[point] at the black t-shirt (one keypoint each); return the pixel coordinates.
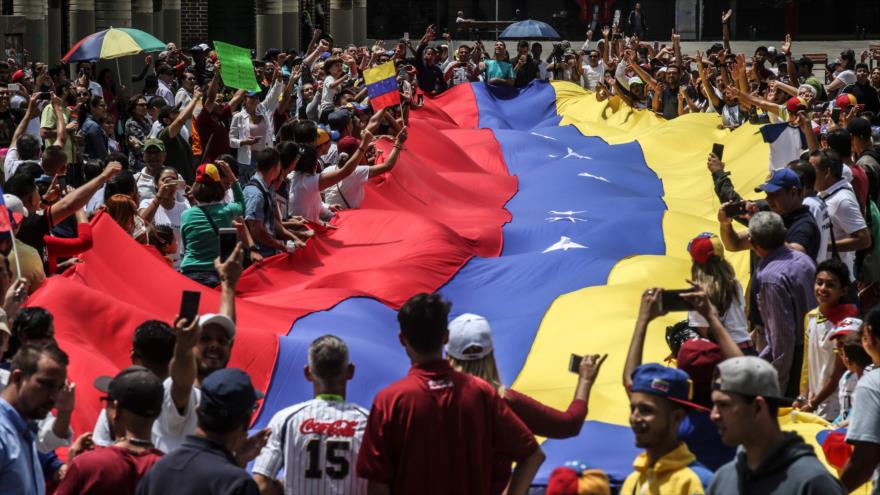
(802, 229)
(32, 230)
(526, 73)
(866, 95)
(8, 122)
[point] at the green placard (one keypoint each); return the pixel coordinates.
(236, 67)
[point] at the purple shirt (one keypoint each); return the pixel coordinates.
(785, 294)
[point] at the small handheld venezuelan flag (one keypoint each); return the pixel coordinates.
(382, 86)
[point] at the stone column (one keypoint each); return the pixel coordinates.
(35, 14)
(171, 22)
(290, 25)
(116, 14)
(341, 22)
(269, 26)
(54, 27)
(359, 22)
(158, 22)
(142, 16)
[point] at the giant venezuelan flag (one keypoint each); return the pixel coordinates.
(542, 209)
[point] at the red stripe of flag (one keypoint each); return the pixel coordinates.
(386, 100)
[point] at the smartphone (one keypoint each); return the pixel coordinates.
(671, 300)
(228, 240)
(835, 115)
(189, 305)
(718, 150)
(735, 209)
(421, 100)
(12, 87)
(44, 95)
(180, 184)
(574, 363)
(61, 181)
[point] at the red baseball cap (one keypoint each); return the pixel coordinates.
(348, 144)
(705, 246)
(699, 357)
(17, 76)
(563, 481)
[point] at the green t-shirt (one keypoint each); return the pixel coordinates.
(498, 69)
(47, 121)
(201, 245)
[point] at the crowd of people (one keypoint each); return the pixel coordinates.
(187, 160)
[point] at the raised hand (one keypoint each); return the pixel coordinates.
(187, 333)
(590, 366)
(252, 446)
(606, 31)
(650, 306)
(786, 45)
(726, 16)
(66, 398)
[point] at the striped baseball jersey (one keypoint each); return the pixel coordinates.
(316, 443)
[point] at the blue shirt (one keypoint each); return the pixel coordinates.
(785, 295)
(198, 467)
(20, 470)
(260, 208)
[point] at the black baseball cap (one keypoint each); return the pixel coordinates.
(859, 128)
(228, 393)
(136, 389)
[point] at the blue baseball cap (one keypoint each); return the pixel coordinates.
(670, 383)
(228, 393)
(784, 178)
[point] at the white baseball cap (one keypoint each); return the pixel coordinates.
(218, 319)
(15, 205)
(470, 338)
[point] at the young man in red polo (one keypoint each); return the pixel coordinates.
(437, 430)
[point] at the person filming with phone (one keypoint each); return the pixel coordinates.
(469, 350)
(785, 198)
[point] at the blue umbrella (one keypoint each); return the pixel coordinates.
(529, 29)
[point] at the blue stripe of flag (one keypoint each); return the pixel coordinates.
(382, 87)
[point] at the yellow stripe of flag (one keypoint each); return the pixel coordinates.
(379, 73)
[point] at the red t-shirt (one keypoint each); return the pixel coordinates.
(543, 421)
(860, 184)
(214, 134)
(107, 471)
(438, 431)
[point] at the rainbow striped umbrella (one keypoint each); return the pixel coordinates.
(113, 43)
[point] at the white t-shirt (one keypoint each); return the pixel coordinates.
(820, 361)
(848, 77)
(734, 319)
(846, 217)
(351, 188)
(316, 443)
(170, 218)
(329, 93)
(305, 198)
(823, 220)
(864, 420)
(846, 392)
(170, 428)
(593, 75)
(157, 127)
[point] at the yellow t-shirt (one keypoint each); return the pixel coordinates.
(47, 121)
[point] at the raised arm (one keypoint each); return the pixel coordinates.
(213, 87)
(725, 28)
(79, 197)
(29, 114)
(789, 63)
(389, 163)
(229, 271)
(183, 362)
(186, 114)
(331, 178)
(648, 310)
(606, 51)
(676, 48)
(700, 301)
(60, 128)
(650, 81)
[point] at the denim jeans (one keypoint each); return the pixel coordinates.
(206, 278)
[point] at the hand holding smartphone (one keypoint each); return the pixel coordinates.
(189, 305)
(736, 209)
(671, 300)
(718, 150)
(574, 363)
